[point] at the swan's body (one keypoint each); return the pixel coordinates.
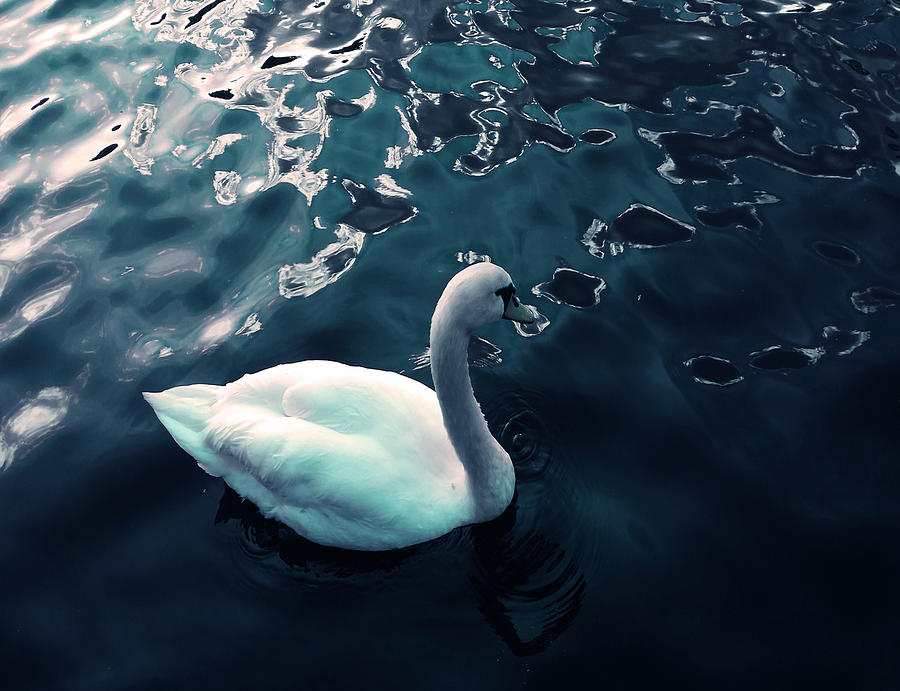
(354, 457)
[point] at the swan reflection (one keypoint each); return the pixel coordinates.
(527, 588)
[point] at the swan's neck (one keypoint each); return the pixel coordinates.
(490, 471)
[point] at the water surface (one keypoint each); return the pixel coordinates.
(700, 196)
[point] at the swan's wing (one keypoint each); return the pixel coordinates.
(363, 401)
(347, 490)
(340, 397)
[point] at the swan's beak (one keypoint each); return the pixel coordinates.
(518, 312)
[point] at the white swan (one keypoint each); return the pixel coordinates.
(360, 458)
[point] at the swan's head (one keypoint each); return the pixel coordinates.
(480, 294)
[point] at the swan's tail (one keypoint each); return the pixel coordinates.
(185, 411)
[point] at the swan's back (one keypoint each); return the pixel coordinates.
(347, 456)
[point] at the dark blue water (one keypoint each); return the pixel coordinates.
(701, 196)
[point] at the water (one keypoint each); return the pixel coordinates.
(703, 196)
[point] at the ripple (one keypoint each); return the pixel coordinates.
(836, 252)
(597, 137)
(522, 432)
(43, 291)
(33, 420)
(779, 357)
(528, 589)
(843, 342)
(708, 369)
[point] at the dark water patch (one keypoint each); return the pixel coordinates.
(40, 103)
(836, 253)
(740, 216)
(223, 94)
(159, 21)
(572, 288)
(78, 192)
(138, 192)
(105, 151)
(597, 137)
(275, 61)
(116, 128)
(643, 226)
(857, 67)
(289, 123)
(340, 261)
(374, 212)
(781, 358)
(874, 299)
(62, 9)
(338, 108)
(198, 16)
(708, 369)
(442, 118)
(37, 126)
(703, 168)
(135, 232)
(285, 165)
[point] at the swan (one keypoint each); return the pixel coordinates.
(360, 458)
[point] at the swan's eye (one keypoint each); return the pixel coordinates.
(507, 293)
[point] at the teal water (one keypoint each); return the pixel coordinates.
(701, 198)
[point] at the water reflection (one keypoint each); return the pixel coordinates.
(31, 421)
(526, 587)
